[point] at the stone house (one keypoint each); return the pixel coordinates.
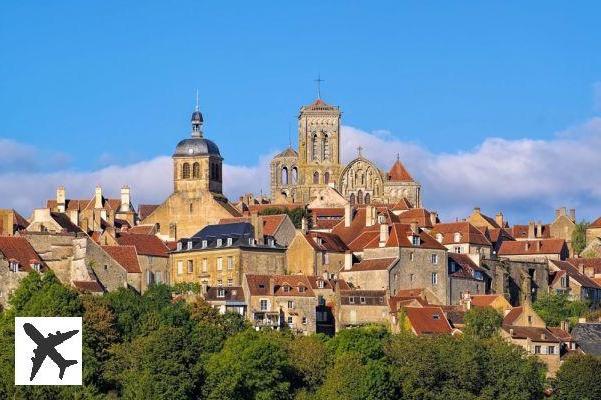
(17, 259)
(483, 221)
(226, 299)
(219, 255)
(465, 276)
(324, 219)
(11, 222)
(278, 227)
(281, 302)
(538, 250)
(518, 281)
(316, 253)
(463, 238)
(593, 231)
(424, 320)
(127, 257)
(577, 283)
(591, 267)
(496, 301)
(153, 257)
(563, 226)
(362, 307)
(370, 274)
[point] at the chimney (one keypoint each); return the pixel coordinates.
(539, 229)
(41, 214)
(125, 199)
(60, 199)
(98, 197)
(565, 325)
(573, 214)
(348, 261)
(499, 219)
(557, 213)
(257, 224)
(433, 218)
(511, 331)
(531, 230)
(383, 235)
(347, 215)
(562, 211)
(467, 300)
(304, 225)
(370, 215)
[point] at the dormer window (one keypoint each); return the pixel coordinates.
(301, 289)
(439, 237)
(36, 266)
(415, 240)
(381, 219)
(436, 317)
(320, 284)
(204, 244)
(229, 241)
(179, 245)
(221, 293)
(219, 242)
(457, 237)
(189, 245)
(14, 266)
(286, 288)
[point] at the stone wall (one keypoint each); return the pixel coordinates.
(157, 266)
(9, 281)
(512, 278)
(458, 286)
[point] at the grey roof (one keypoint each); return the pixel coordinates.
(196, 147)
(588, 337)
(237, 229)
(196, 117)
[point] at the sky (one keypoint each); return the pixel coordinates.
(490, 104)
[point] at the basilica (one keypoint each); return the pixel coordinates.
(300, 177)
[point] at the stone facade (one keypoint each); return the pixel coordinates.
(154, 270)
(303, 258)
(517, 280)
(361, 307)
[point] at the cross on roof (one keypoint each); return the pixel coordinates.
(318, 81)
(359, 149)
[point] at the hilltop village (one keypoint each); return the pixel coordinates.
(334, 246)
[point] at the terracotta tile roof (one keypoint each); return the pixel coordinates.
(172, 246)
(402, 204)
(419, 215)
(575, 274)
(126, 256)
(537, 246)
(378, 264)
(322, 241)
(148, 229)
(144, 210)
(484, 300)
(88, 286)
(521, 232)
(279, 285)
(529, 332)
(468, 233)
(146, 245)
(595, 263)
(410, 293)
(399, 237)
(512, 315)
(70, 204)
(258, 285)
(466, 266)
(561, 334)
(231, 293)
(428, 320)
(596, 223)
(18, 249)
(327, 283)
(20, 222)
(398, 173)
(328, 212)
(395, 303)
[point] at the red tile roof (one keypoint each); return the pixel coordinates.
(88, 286)
(468, 233)
(428, 320)
(537, 246)
(595, 263)
(484, 300)
(148, 229)
(279, 285)
(322, 241)
(402, 204)
(533, 333)
(378, 264)
(126, 256)
(419, 215)
(574, 273)
(398, 173)
(144, 210)
(521, 232)
(512, 315)
(399, 237)
(18, 249)
(596, 223)
(146, 245)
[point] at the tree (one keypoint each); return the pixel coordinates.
(578, 379)
(579, 237)
(482, 322)
(367, 341)
(296, 214)
(309, 360)
(554, 308)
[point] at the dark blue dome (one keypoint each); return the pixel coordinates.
(196, 117)
(196, 147)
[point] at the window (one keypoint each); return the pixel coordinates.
(158, 277)
(314, 148)
(381, 300)
(189, 245)
(529, 319)
(351, 300)
(191, 208)
(219, 282)
(551, 350)
(204, 244)
(367, 198)
(190, 266)
(179, 245)
(304, 320)
(301, 289)
(326, 258)
(219, 264)
(106, 267)
(415, 240)
(458, 249)
(204, 265)
(325, 147)
(230, 282)
(221, 293)
(564, 282)
(196, 170)
(263, 305)
(149, 278)
(411, 277)
(294, 175)
(362, 300)
(180, 267)
(219, 242)
(286, 288)
(290, 304)
(289, 319)
(320, 284)
(434, 278)
(537, 349)
(326, 178)
(434, 258)
(186, 171)
(435, 317)
(315, 177)
(230, 262)
(360, 197)
(36, 267)
(411, 256)
(457, 237)
(229, 241)
(14, 266)
(284, 176)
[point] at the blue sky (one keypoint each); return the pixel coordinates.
(96, 84)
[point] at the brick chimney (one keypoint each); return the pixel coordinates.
(60, 199)
(383, 235)
(98, 197)
(433, 218)
(347, 215)
(531, 230)
(499, 219)
(573, 214)
(125, 199)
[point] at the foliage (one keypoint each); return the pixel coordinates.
(578, 379)
(367, 341)
(186, 288)
(554, 308)
(579, 237)
(482, 322)
(296, 214)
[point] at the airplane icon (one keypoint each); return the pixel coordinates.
(47, 348)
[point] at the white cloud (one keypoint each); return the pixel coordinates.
(524, 178)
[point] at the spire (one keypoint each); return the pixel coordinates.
(197, 120)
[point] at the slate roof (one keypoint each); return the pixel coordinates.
(588, 337)
(65, 222)
(146, 245)
(241, 233)
(126, 256)
(428, 320)
(271, 223)
(465, 266)
(18, 249)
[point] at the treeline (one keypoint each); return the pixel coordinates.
(149, 347)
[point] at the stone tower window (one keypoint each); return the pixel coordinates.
(360, 197)
(352, 199)
(325, 147)
(294, 175)
(196, 170)
(186, 171)
(314, 155)
(367, 198)
(326, 178)
(284, 176)
(315, 177)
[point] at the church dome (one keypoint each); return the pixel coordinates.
(196, 147)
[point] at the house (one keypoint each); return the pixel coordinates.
(316, 253)
(324, 219)
(465, 276)
(593, 231)
(370, 274)
(591, 267)
(463, 238)
(226, 299)
(17, 259)
(281, 302)
(426, 320)
(538, 250)
(496, 301)
(219, 255)
(11, 222)
(278, 227)
(577, 283)
(127, 257)
(482, 221)
(153, 257)
(361, 307)
(587, 336)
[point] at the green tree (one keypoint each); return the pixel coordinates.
(579, 237)
(554, 308)
(296, 214)
(309, 360)
(578, 379)
(482, 322)
(367, 341)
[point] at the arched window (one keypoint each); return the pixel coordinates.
(314, 155)
(360, 197)
(294, 175)
(196, 170)
(315, 177)
(284, 176)
(186, 171)
(326, 178)
(325, 148)
(352, 199)
(367, 198)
